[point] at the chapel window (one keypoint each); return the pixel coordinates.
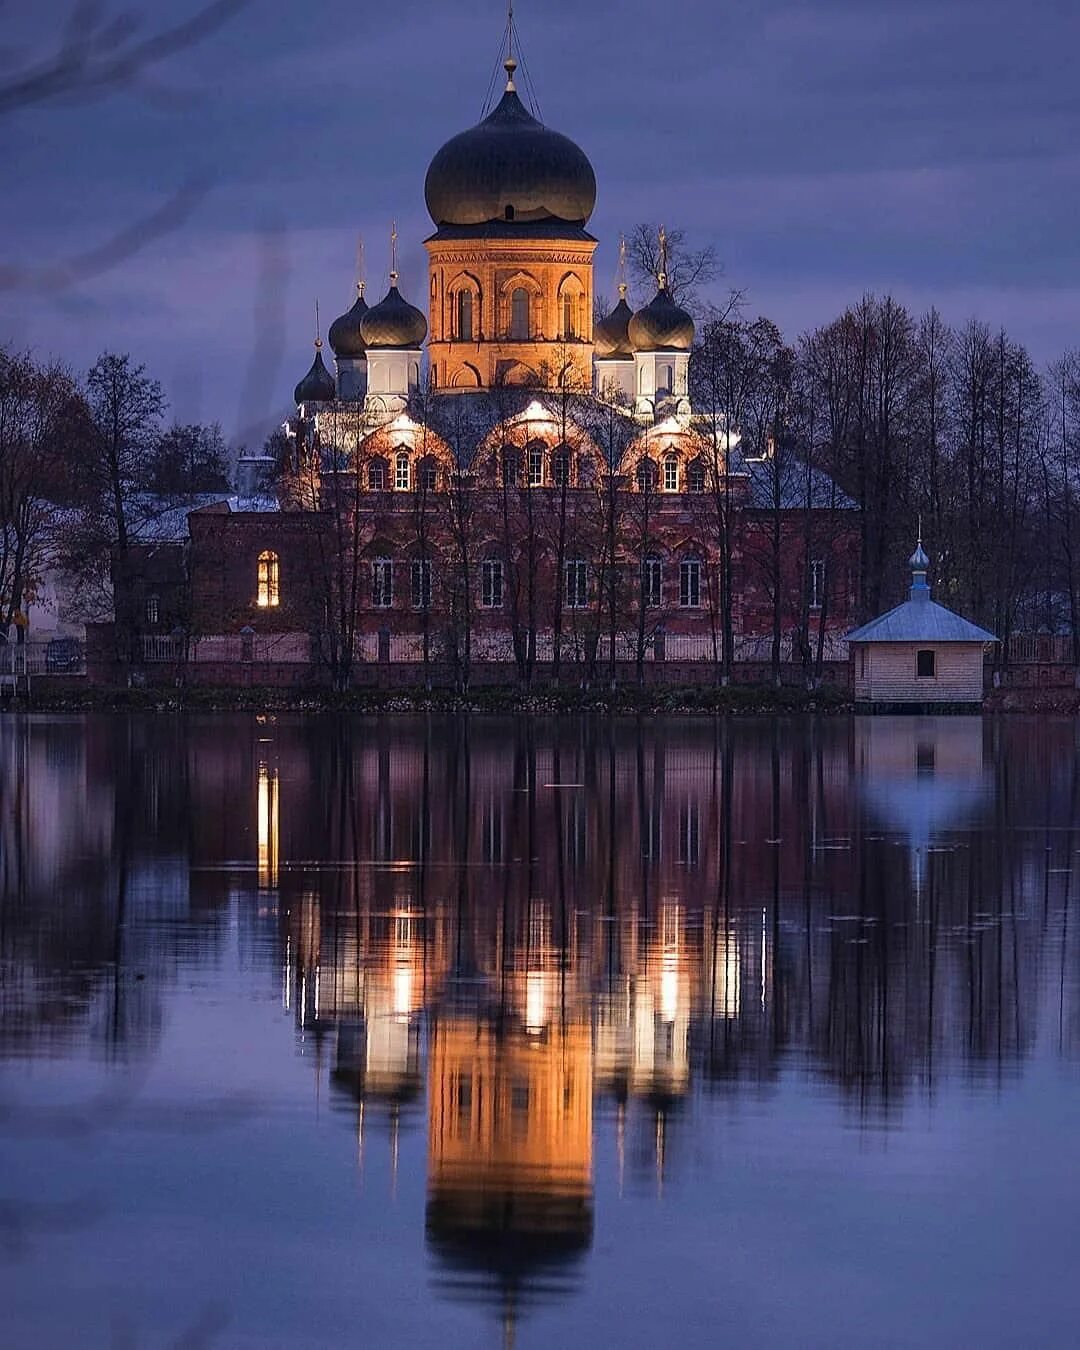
(690, 583)
(671, 474)
(646, 476)
(465, 316)
(536, 466)
(519, 314)
(402, 477)
(269, 591)
(376, 475)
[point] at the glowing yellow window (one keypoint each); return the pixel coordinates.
(269, 588)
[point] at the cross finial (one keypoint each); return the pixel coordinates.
(360, 264)
(622, 267)
(661, 276)
(318, 329)
(919, 541)
(393, 253)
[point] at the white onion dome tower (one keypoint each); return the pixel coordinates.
(393, 332)
(613, 353)
(662, 334)
(318, 385)
(350, 350)
(510, 169)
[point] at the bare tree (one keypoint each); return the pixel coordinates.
(686, 270)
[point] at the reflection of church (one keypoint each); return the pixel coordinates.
(500, 378)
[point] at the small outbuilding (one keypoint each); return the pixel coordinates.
(920, 655)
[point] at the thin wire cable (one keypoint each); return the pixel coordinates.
(493, 83)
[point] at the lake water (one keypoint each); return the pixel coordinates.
(326, 1032)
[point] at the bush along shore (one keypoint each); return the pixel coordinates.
(744, 700)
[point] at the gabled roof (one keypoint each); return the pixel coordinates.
(920, 621)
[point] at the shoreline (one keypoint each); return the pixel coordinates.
(739, 700)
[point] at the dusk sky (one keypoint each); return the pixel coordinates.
(828, 148)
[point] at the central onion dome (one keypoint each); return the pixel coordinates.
(510, 167)
(662, 326)
(344, 335)
(318, 385)
(393, 322)
(611, 336)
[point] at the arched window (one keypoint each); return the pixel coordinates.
(671, 474)
(695, 476)
(511, 467)
(667, 380)
(269, 589)
(376, 475)
(569, 317)
(560, 468)
(646, 476)
(414, 374)
(464, 316)
(519, 314)
(401, 473)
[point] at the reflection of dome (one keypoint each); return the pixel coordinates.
(611, 336)
(344, 334)
(510, 168)
(393, 322)
(318, 385)
(662, 325)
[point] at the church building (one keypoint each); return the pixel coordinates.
(490, 473)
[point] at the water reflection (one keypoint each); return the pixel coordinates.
(532, 941)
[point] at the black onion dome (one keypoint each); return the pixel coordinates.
(510, 167)
(662, 326)
(393, 322)
(344, 335)
(611, 336)
(318, 385)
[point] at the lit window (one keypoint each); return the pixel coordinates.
(646, 476)
(690, 583)
(401, 473)
(577, 583)
(421, 583)
(382, 583)
(925, 665)
(817, 582)
(671, 474)
(695, 476)
(536, 466)
(269, 593)
(491, 583)
(652, 574)
(376, 475)
(519, 314)
(464, 316)
(153, 609)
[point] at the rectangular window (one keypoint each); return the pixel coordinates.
(152, 609)
(817, 582)
(382, 583)
(536, 466)
(690, 584)
(376, 476)
(560, 470)
(924, 665)
(577, 584)
(671, 474)
(401, 473)
(428, 478)
(695, 477)
(652, 582)
(421, 583)
(491, 583)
